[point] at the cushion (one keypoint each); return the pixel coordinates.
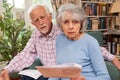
(97, 35)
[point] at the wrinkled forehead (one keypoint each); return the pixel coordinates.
(70, 16)
(38, 11)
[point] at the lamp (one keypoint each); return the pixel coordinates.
(116, 9)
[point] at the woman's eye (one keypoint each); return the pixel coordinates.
(74, 22)
(65, 22)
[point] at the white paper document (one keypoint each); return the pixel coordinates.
(31, 73)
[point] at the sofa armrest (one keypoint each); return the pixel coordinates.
(37, 62)
(113, 71)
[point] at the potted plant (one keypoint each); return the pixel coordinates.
(14, 35)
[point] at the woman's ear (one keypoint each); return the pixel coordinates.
(81, 25)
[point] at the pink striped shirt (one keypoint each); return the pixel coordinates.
(38, 45)
(107, 55)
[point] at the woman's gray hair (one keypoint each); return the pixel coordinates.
(78, 14)
(36, 6)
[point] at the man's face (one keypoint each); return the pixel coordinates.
(42, 20)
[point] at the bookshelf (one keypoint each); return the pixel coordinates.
(99, 18)
(113, 41)
(98, 14)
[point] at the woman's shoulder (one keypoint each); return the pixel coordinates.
(60, 36)
(89, 36)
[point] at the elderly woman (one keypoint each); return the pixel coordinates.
(75, 46)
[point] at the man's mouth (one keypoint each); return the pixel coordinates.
(43, 27)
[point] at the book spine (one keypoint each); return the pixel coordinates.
(113, 48)
(109, 46)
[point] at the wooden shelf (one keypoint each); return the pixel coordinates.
(96, 2)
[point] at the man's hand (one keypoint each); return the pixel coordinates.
(4, 75)
(79, 78)
(116, 62)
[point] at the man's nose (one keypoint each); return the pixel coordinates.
(40, 21)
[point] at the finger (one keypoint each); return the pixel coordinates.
(1, 77)
(7, 77)
(82, 78)
(78, 78)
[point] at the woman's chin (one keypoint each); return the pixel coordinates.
(71, 38)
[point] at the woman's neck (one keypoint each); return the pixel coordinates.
(77, 37)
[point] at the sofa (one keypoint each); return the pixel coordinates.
(113, 71)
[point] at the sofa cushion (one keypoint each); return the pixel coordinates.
(113, 71)
(37, 62)
(97, 35)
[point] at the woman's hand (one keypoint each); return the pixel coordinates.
(78, 78)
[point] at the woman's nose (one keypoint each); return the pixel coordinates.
(70, 25)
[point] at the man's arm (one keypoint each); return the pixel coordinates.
(23, 59)
(110, 57)
(20, 61)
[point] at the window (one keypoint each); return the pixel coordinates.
(46, 2)
(17, 4)
(21, 7)
(18, 10)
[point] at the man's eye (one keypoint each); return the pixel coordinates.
(42, 17)
(35, 20)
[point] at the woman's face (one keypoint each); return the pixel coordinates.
(70, 26)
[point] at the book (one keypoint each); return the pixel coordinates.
(70, 70)
(31, 73)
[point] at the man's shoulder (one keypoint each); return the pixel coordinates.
(56, 29)
(36, 33)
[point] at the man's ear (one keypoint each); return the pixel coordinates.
(32, 23)
(50, 16)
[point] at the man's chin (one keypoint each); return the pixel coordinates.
(44, 32)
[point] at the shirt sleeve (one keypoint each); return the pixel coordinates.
(107, 55)
(98, 62)
(23, 59)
